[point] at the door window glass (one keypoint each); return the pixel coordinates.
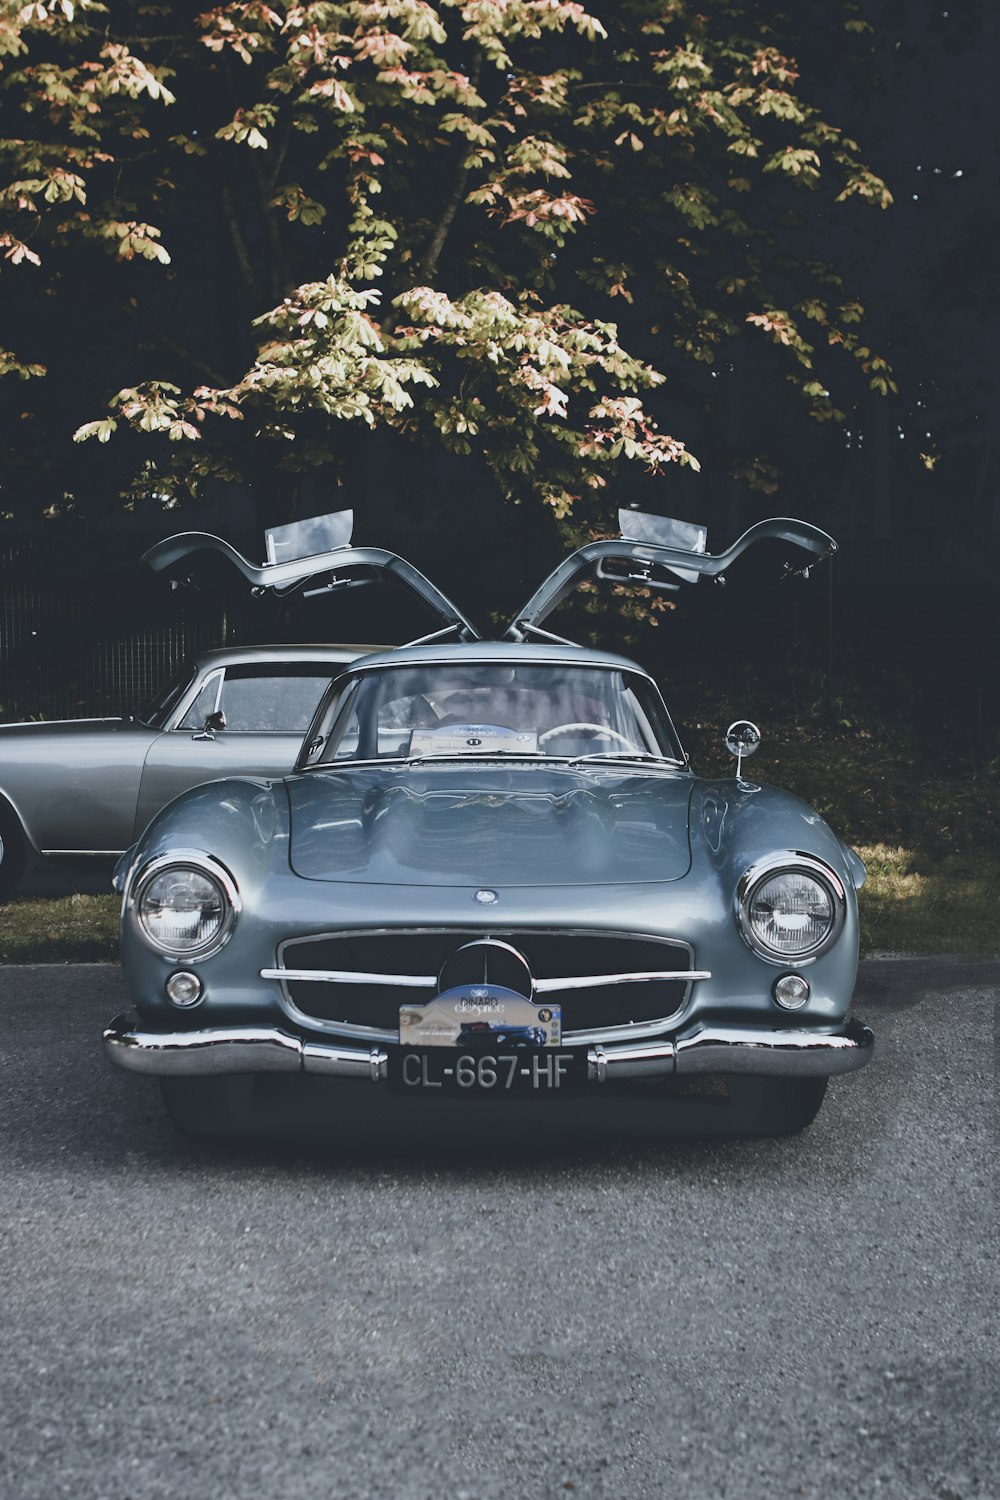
(271, 704)
(259, 702)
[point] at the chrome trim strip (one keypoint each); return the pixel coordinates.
(427, 981)
(597, 981)
(82, 853)
(349, 976)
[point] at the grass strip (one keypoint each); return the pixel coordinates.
(909, 905)
(74, 929)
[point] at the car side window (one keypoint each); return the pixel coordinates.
(259, 702)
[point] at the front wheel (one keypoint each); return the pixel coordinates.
(209, 1106)
(773, 1106)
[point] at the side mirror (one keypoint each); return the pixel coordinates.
(742, 738)
(213, 721)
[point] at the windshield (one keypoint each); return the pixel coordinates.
(492, 709)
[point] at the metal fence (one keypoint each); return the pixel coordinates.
(80, 642)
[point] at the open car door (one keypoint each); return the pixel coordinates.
(315, 556)
(658, 553)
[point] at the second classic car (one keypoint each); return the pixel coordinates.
(84, 787)
(493, 836)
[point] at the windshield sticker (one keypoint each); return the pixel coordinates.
(473, 739)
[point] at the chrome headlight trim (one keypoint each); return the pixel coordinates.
(792, 861)
(205, 864)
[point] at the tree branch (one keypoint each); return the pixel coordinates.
(435, 245)
(432, 254)
(278, 276)
(195, 361)
(240, 246)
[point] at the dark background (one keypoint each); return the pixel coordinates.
(908, 485)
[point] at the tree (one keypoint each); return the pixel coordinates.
(499, 226)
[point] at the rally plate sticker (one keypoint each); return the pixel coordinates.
(481, 1017)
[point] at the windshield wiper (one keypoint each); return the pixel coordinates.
(416, 760)
(630, 755)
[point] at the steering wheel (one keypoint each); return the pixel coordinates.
(600, 729)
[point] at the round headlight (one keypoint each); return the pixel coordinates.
(795, 912)
(185, 909)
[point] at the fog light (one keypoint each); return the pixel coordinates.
(184, 989)
(791, 991)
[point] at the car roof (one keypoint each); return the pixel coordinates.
(280, 655)
(442, 653)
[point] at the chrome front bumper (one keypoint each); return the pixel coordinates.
(699, 1049)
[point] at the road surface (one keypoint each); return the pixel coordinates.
(642, 1318)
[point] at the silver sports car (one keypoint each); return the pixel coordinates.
(88, 787)
(493, 872)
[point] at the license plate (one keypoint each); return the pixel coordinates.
(439, 1071)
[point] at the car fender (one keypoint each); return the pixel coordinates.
(241, 821)
(242, 825)
(734, 826)
(737, 823)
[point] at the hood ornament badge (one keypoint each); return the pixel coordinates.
(486, 898)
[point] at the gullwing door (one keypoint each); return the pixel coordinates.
(658, 553)
(315, 556)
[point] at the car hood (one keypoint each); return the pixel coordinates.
(483, 826)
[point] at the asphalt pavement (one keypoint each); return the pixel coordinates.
(642, 1317)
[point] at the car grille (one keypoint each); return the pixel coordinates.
(549, 955)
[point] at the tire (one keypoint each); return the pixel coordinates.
(13, 851)
(773, 1106)
(209, 1106)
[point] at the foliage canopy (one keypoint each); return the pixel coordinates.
(498, 225)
